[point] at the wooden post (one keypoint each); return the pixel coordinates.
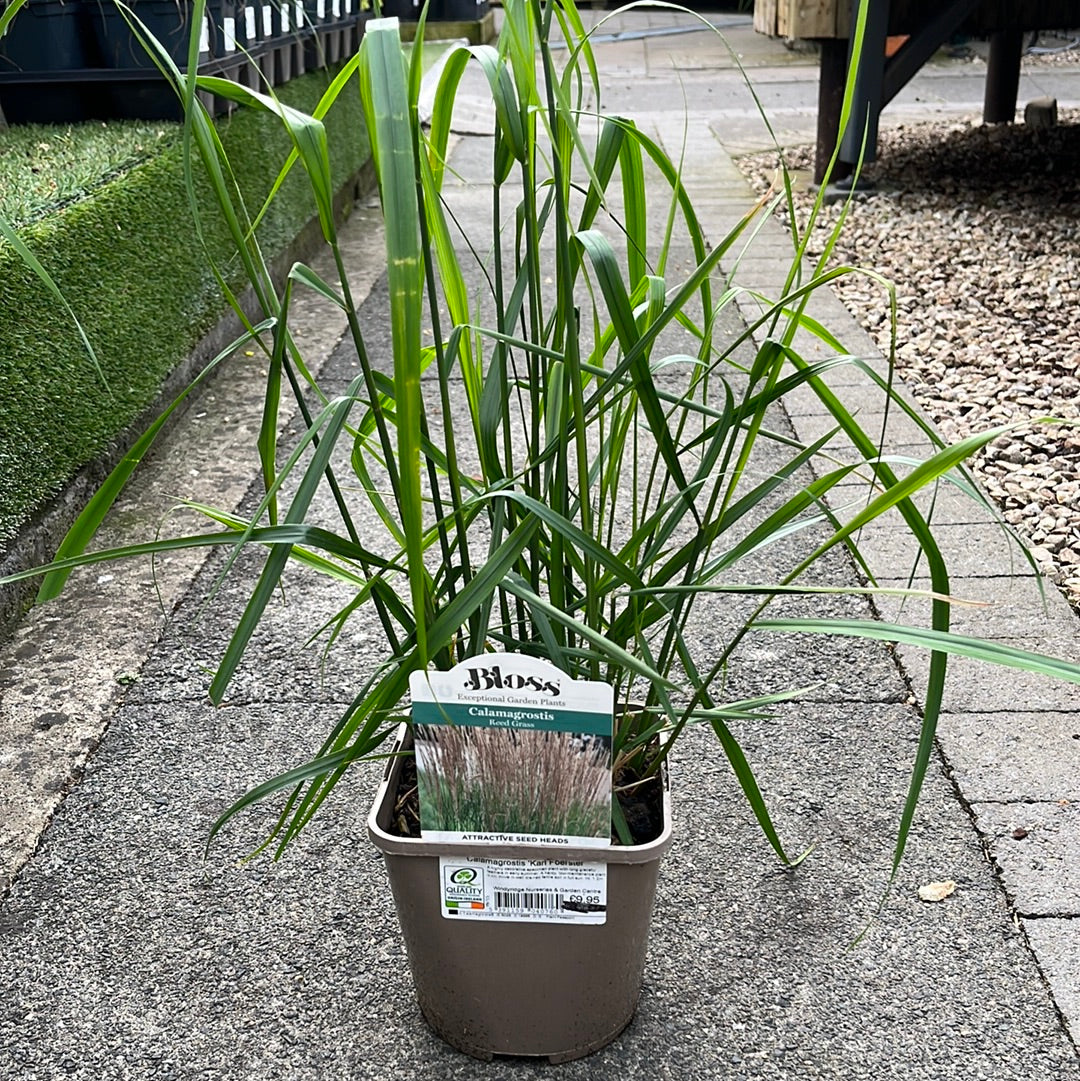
(809, 19)
(1003, 76)
(859, 141)
(765, 17)
(831, 80)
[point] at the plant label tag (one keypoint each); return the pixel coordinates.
(511, 750)
(535, 891)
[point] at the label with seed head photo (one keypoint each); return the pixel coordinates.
(511, 750)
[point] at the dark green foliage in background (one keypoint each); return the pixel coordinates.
(127, 259)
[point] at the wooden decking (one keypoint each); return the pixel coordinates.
(824, 19)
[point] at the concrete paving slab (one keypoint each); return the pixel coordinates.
(853, 388)
(978, 551)
(1037, 849)
(894, 432)
(844, 379)
(67, 664)
(294, 969)
(1057, 943)
(942, 503)
(1014, 757)
(976, 687)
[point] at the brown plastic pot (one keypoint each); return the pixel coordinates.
(500, 988)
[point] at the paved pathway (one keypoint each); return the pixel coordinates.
(1010, 741)
(121, 958)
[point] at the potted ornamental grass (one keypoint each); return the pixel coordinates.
(535, 504)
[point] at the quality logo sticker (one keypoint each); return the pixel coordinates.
(463, 887)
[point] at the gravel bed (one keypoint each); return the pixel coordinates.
(979, 228)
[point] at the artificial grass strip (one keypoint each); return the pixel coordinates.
(43, 167)
(128, 261)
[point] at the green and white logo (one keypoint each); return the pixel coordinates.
(463, 886)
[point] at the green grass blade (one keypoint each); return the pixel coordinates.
(608, 153)
(275, 562)
(606, 267)
(919, 478)
(386, 105)
(600, 642)
(503, 96)
(308, 136)
(303, 274)
(333, 91)
(744, 774)
(943, 641)
(635, 215)
(316, 768)
(487, 578)
(9, 13)
(588, 545)
(287, 535)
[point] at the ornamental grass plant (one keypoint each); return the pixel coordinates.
(579, 462)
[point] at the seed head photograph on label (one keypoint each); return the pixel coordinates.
(511, 750)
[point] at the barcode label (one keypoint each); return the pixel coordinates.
(524, 901)
(522, 890)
